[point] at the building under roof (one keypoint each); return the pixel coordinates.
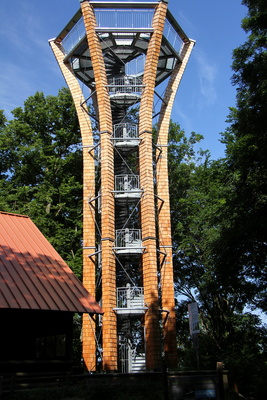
(39, 295)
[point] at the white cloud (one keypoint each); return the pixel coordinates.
(185, 22)
(182, 117)
(207, 79)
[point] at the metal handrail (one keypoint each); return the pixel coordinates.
(125, 130)
(124, 18)
(128, 238)
(125, 84)
(134, 19)
(127, 183)
(130, 297)
(76, 34)
(172, 37)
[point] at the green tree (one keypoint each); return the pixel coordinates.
(200, 190)
(241, 247)
(41, 170)
(243, 238)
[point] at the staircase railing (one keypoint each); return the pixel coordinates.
(125, 84)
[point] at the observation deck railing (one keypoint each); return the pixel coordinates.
(116, 18)
(109, 19)
(172, 37)
(75, 35)
(112, 19)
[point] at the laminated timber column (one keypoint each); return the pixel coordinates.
(148, 220)
(164, 217)
(109, 326)
(89, 343)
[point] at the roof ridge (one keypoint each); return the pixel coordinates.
(14, 214)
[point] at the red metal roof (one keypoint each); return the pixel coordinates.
(33, 275)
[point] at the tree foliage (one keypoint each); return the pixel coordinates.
(243, 241)
(41, 170)
(200, 190)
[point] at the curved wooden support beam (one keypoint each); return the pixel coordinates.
(148, 217)
(109, 321)
(164, 216)
(89, 344)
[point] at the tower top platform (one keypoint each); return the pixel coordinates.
(114, 5)
(124, 30)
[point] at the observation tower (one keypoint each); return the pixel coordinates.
(117, 57)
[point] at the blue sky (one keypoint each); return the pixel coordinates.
(28, 65)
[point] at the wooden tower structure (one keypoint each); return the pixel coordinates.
(120, 52)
